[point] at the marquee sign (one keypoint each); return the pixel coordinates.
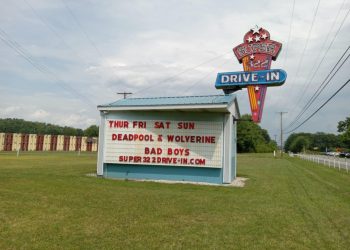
(164, 142)
(255, 53)
(273, 77)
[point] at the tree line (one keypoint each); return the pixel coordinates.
(298, 142)
(13, 125)
(251, 138)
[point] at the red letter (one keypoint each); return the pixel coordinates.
(146, 151)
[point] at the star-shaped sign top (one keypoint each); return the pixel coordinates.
(264, 36)
(255, 29)
(250, 39)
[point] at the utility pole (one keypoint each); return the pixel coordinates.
(125, 94)
(281, 114)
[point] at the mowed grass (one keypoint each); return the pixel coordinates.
(48, 202)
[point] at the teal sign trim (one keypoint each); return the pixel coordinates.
(242, 79)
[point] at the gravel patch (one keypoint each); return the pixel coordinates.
(238, 182)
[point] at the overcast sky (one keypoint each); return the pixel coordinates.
(60, 59)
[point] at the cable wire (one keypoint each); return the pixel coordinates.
(325, 40)
(42, 68)
(307, 39)
(76, 20)
(321, 87)
(324, 56)
(181, 73)
(289, 35)
(307, 119)
(204, 77)
(51, 28)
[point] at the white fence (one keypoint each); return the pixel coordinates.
(330, 161)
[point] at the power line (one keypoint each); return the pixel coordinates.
(50, 27)
(319, 107)
(82, 29)
(281, 121)
(204, 77)
(181, 73)
(289, 34)
(307, 40)
(321, 87)
(41, 68)
(325, 54)
(322, 47)
(316, 94)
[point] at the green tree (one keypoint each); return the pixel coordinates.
(79, 132)
(91, 131)
(322, 141)
(299, 144)
(344, 129)
(291, 138)
(252, 138)
(14, 125)
(318, 141)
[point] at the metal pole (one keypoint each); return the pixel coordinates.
(125, 94)
(281, 136)
(281, 114)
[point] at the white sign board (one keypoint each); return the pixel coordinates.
(164, 142)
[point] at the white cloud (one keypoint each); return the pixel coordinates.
(144, 43)
(40, 114)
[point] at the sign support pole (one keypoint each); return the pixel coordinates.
(281, 114)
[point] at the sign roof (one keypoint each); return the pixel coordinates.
(176, 100)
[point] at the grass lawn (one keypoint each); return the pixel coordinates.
(48, 202)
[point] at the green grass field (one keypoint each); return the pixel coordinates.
(48, 202)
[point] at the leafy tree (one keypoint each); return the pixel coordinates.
(10, 125)
(344, 126)
(79, 132)
(53, 129)
(344, 129)
(288, 143)
(265, 134)
(91, 131)
(252, 138)
(318, 141)
(69, 131)
(299, 144)
(322, 141)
